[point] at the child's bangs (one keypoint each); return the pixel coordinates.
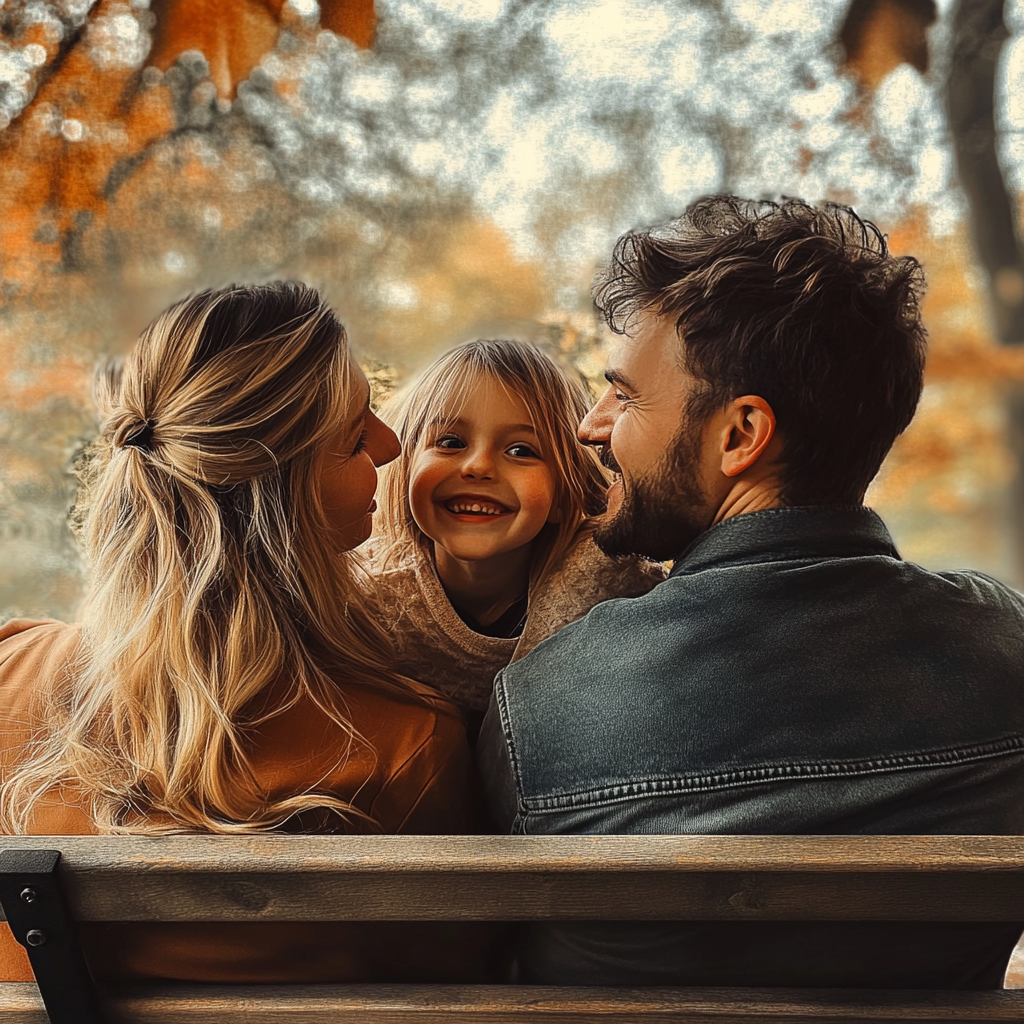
(443, 398)
(440, 397)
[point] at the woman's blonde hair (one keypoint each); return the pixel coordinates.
(211, 581)
(556, 402)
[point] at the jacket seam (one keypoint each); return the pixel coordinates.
(705, 782)
(510, 746)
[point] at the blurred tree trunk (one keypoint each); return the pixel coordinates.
(978, 37)
(979, 34)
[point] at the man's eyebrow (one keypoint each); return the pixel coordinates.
(617, 377)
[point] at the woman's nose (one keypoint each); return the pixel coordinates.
(383, 444)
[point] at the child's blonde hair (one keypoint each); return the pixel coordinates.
(556, 401)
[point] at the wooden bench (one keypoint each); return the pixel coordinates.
(322, 878)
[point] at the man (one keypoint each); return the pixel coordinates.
(793, 674)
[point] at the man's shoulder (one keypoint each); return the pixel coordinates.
(977, 587)
(794, 601)
(699, 685)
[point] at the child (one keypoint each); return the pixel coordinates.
(486, 549)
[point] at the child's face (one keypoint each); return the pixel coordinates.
(480, 486)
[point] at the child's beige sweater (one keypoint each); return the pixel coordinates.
(437, 648)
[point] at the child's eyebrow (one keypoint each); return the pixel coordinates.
(441, 423)
(508, 428)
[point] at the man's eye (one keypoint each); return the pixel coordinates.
(621, 397)
(522, 451)
(449, 441)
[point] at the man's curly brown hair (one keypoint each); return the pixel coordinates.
(801, 305)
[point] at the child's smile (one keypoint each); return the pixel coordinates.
(476, 507)
(480, 486)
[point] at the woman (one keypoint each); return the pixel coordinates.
(225, 678)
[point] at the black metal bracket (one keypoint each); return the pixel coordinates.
(34, 905)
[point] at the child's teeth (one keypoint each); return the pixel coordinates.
(476, 508)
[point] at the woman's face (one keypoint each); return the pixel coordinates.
(348, 468)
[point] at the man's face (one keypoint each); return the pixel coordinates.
(659, 503)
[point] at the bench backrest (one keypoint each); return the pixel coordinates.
(503, 878)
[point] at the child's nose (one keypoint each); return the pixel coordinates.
(478, 464)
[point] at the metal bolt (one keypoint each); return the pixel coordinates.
(35, 937)
(29, 895)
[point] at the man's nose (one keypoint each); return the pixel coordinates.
(596, 427)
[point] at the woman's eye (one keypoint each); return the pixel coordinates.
(449, 441)
(522, 451)
(360, 444)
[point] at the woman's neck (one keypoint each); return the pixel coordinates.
(485, 588)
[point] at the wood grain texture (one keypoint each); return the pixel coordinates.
(423, 1004)
(20, 1003)
(322, 878)
(490, 854)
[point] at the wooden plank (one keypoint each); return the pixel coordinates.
(498, 854)
(512, 897)
(20, 1003)
(423, 1004)
(320, 878)
(426, 1004)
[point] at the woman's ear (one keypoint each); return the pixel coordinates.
(747, 431)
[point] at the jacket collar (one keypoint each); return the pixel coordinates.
(781, 534)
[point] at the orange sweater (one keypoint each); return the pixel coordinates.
(413, 775)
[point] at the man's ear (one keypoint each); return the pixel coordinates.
(747, 430)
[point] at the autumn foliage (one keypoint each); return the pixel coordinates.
(94, 118)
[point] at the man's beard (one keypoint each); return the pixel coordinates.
(663, 511)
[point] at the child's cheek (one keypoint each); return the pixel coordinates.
(424, 476)
(538, 494)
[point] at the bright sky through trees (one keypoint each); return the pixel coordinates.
(461, 177)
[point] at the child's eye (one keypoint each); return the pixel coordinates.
(522, 451)
(360, 444)
(449, 441)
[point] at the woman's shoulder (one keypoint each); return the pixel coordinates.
(36, 659)
(396, 749)
(399, 722)
(35, 652)
(33, 632)
(426, 771)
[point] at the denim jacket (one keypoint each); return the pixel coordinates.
(792, 675)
